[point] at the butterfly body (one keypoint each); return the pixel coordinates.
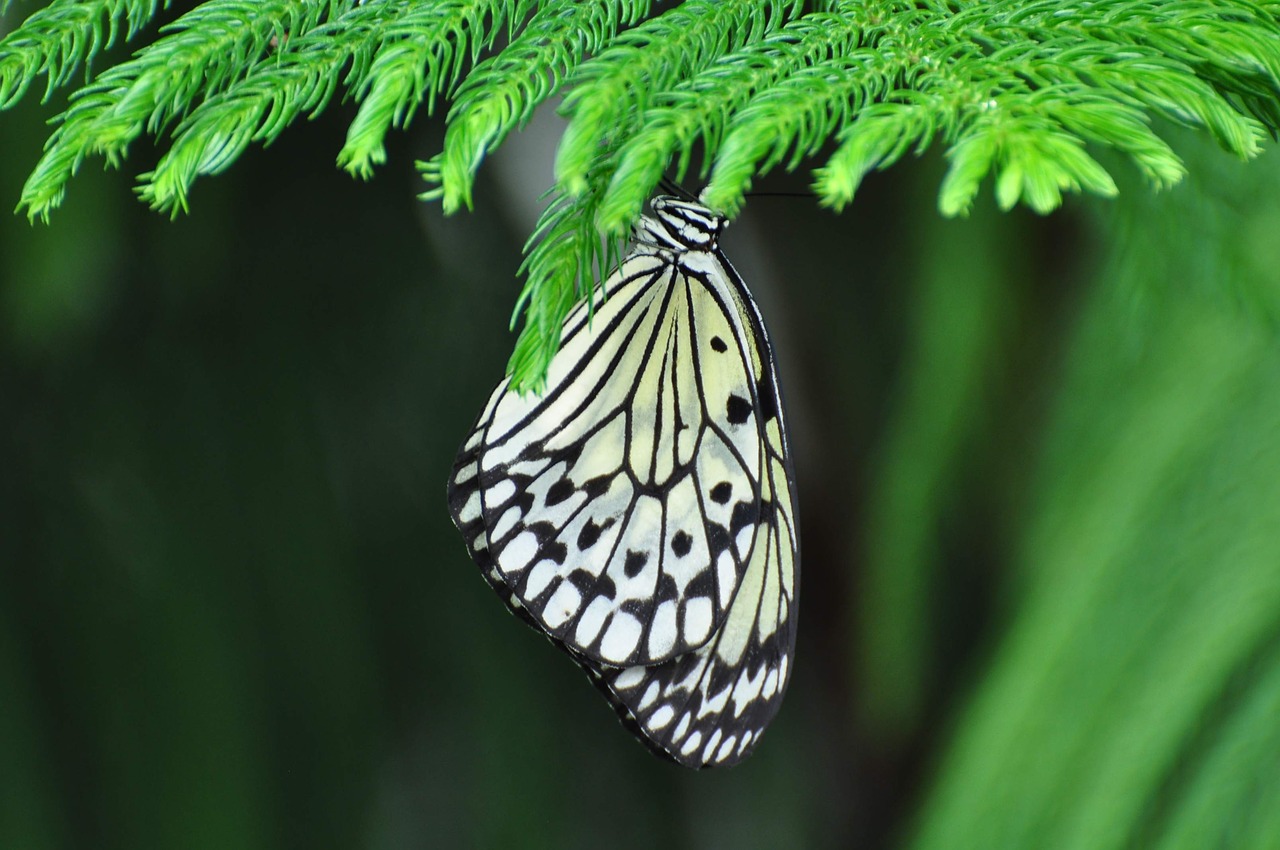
(641, 510)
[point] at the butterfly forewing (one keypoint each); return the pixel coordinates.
(620, 503)
(465, 506)
(640, 511)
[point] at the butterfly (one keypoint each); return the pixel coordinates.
(641, 511)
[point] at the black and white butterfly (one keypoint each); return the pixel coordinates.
(641, 511)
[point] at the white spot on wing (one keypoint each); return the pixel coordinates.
(697, 620)
(650, 694)
(726, 578)
(681, 727)
(562, 605)
(591, 621)
(662, 631)
(620, 638)
(471, 510)
(711, 745)
(500, 492)
(539, 577)
(681, 502)
(519, 552)
(506, 523)
(629, 678)
(643, 535)
(746, 690)
(661, 717)
(715, 704)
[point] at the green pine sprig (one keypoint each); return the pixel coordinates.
(563, 257)
(422, 53)
(502, 92)
(57, 40)
(1022, 93)
(204, 53)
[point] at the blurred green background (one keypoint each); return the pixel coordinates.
(1039, 471)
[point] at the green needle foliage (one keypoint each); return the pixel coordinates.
(1021, 92)
(1131, 700)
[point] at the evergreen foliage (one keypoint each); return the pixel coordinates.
(1101, 517)
(1122, 705)
(1014, 90)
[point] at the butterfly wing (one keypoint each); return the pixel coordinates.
(465, 508)
(710, 706)
(620, 505)
(641, 512)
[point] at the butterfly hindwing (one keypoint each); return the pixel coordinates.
(709, 707)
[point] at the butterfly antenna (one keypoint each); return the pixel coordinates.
(671, 187)
(779, 194)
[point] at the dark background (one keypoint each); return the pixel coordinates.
(1037, 468)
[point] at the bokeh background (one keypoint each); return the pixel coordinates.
(1039, 472)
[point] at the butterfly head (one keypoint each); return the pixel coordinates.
(680, 225)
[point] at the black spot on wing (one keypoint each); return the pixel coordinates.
(598, 486)
(703, 584)
(634, 563)
(721, 492)
(721, 676)
(559, 491)
(544, 531)
(523, 501)
(570, 454)
(635, 607)
(717, 538)
(588, 582)
(553, 551)
(681, 543)
(737, 409)
(768, 398)
(666, 589)
(718, 344)
(744, 514)
(605, 587)
(590, 533)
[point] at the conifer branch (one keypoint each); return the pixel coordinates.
(1019, 92)
(63, 36)
(422, 54)
(204, 52)
(502, 92)
(696, 109)
(611, 92)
